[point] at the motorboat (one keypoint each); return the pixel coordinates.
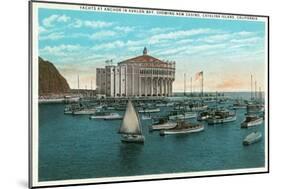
(174, 115)
(202, 116)
(149, 110)
(162, 124)
(251, 120)
(252, 138)
(183, 127)
(106, 116)
(221, 116)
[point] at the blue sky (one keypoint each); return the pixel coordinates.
(227, 51)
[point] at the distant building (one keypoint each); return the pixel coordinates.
(100, 80)
(139, 76)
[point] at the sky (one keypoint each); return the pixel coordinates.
(227, 51)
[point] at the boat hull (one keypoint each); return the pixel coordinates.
(220, 121)
(182, 116)
(253, 139)
(68, 112)
(202, 118)
(163, 126)
(252, 123)
(107, 117)
(239, 107)
(84, 112)
(133, 139)
(199, 108)
(150, 110)
(146, 117)
(113, 118)
(183, 131)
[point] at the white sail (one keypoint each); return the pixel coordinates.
(130, 123)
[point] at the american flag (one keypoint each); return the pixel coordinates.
(198, 75)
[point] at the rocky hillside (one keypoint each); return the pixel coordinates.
(50, 80)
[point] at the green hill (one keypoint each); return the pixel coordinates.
(50, 80)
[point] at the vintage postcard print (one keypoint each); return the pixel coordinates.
(125, 94)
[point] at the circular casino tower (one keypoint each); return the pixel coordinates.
(143, 75)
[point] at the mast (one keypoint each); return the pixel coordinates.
(202, 89)
(216, 99)
(78, 83)
(251, 87)
(260, 94)
(202, 85)
(255, 89)
(184, 83)
(191, 86)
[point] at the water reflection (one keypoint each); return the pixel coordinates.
(130, 155)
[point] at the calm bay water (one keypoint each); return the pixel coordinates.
(74, 147)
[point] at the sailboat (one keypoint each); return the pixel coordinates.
(130, 127)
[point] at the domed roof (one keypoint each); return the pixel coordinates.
(145, 58)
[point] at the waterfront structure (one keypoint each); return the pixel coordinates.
(139, 76)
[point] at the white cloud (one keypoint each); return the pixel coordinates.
(136, 42)
(60, 50)
(102, 34)
(78, 35)
(96, 24)
(109, 46)
(77, 23)
(125, 29)
(178, 34)
(63, 18)
(215, 38)
(90, 24)
(225, 37)
(159, 30)
(247, 40)
(48, 22)
(245, 33)
(42, 29)
(52, 36)
(51, 20)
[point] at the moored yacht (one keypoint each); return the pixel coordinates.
(255, 108)
(70, 99)
(221, 116)
(149, 110)
(70, 108)
(183, 127)
(162, 124)
(251, 120)
(239, 105)
(146, 117)
(174, 115)
(84, 111)
(202, 116)
(252, 138)
(196, 107)
(105, 116)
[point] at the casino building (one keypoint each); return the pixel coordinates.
(139, 76)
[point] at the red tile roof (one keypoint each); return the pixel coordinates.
(143, 59)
